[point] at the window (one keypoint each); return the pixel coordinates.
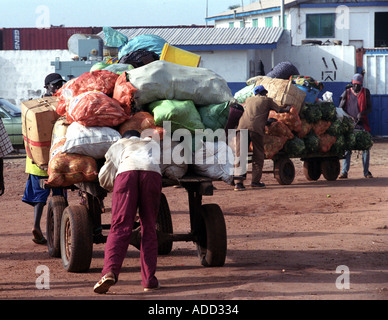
(231, 24)
(285, 21)
(242, 24)
(320, 25)
(268, 22)
(255, 23)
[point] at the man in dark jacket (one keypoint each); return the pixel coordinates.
(254, 119)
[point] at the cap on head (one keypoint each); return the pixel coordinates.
(357, 79)
(131, 133)
(259, 90)
(53, 78)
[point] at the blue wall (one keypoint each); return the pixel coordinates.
(378, 118)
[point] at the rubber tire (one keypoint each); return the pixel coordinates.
(284, 171)
(76, 239)
(331, 169)
(211, 243)
(312, 169)
(164, 225)
(55, 208)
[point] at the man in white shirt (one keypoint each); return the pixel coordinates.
(132, 170)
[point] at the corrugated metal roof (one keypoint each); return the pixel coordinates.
(209, 36)
(254, 7)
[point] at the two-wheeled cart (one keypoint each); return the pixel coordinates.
(73, 229)
(314, 165)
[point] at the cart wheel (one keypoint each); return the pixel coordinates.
(284, 171)
(164, 225)
(212, 236)
(76, 239)
(55, 208)
(331, 169)
(312, 169)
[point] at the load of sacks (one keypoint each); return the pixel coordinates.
(97, 107)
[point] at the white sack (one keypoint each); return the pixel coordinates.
(214, 160)
(89, 141)
(162, 80)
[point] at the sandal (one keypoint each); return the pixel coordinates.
(105, 283)
(38, 237)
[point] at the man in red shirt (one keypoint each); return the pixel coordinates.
(357, 103)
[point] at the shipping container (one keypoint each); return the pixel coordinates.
(40, 39)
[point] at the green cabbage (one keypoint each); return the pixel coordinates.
(328, 111)
(336, 128)
(339, 146)
(311, 112)
(294, 147)
(363, 140)
(311, 142)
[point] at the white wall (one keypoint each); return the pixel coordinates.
(22, 73)
(308, 59)
(232, 65)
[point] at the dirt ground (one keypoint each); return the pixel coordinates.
(284, 243)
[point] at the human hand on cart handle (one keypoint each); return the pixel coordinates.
(285, 109)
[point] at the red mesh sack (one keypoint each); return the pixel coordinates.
(326, 141)
(305, 128)
(279, 129)
(95, 109)
(124, 92)
(65, 169)
(98, 80)
(291, 119)
(321, 126)
(272, 145)
(141, 121)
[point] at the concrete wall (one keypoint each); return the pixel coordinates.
(323, 63)
(22, 73)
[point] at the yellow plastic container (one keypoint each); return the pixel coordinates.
(179, 56)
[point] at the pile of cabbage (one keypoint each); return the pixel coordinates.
(321, 129)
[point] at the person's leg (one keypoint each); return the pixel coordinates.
(37, 231)
(124, 207)
(37, 197)
(257, 157)
(346, 164)
(240, 168)
(365, 163)
(149, 201)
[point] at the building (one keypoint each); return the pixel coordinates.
(363, 24)
(335, 29)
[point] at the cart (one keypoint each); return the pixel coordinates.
(314, 165)
(73, 229)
